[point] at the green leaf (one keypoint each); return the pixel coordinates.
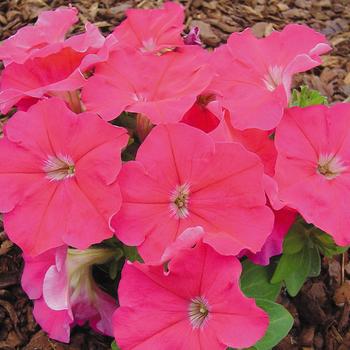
(255, 282)
(300, 259)
(114, 266)
(315, 266)
(114, 346)
(131, 253)
(280, 324)
(307, 97)
(126, 120)
(294, 270)
(295, 239)
(325, 243)
(112, 242)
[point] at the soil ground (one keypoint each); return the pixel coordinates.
(319, 322)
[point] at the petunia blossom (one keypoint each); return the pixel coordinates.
(54, 70)
(205, 114)
(61, 284)
(50, 28)
(284, 219)
(195, 305)
(58, 175)
(313, 166)
(254, 140)
(258, 141)
(161, 87)
(180, 179)
(254, 75)
(152, 30)
(193, 37)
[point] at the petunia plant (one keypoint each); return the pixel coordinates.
(163, 193)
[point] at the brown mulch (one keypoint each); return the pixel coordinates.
(319, 322)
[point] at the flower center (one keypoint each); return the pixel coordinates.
(198, 312)
(59, 168)
(148, 45)
(179, 199)
(204, 100)
(273, 78)
(330, 166)
(139, 97)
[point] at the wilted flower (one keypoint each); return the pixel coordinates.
(193, 38)
(61, 284)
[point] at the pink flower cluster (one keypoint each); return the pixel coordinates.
(223, 169)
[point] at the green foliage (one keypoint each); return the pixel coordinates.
(114, 346)
(301, 256)
(315, 264)
(126, 120)
(130, 151)
(112, 242)
(114, 265)
(281, 321)
(325, 243)
(307, 97)
(255, 282)
(131, 254)
(300, 259)
(295, 240)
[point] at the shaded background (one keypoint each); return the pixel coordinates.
(319, 323)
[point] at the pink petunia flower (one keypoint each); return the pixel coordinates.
(152, 31)
(254, 75)
(180, 179)
(61, 284)
(50, 28)
(258, 142)
(193, 37)
(53, 70)
(161, 87)
(205, 114)
(254, 140)
(195, 305)
(284, 219)
(58, 175)
(313, 166)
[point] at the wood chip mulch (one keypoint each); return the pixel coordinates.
(322, 308)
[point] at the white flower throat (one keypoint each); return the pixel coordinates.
(330, 166)
(59, 167)
(179, 201)
(198, 312)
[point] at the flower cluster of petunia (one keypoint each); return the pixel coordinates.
(222, 169)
